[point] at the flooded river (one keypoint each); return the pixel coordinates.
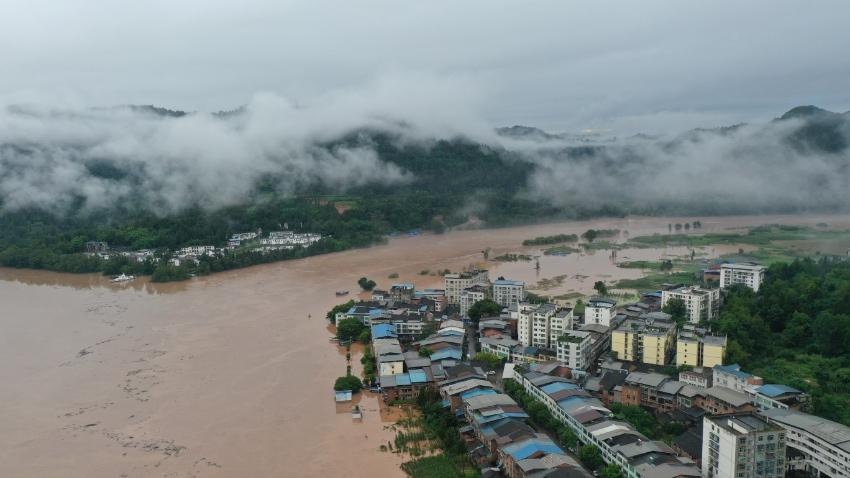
(231, 374)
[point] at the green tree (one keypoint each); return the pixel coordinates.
(438, 226)
(591, 457)
(365, 336)
(612, 471)
(568, 437)
(492, 360)
(590, 234)
(348, 382)
(677, 309)
(483, 308)
(331, 315)
(600, 287)
(366, 284)
(349, 329)
(425, 352)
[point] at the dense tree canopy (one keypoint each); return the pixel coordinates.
(349, 329)
(677, 309)
(484, 308)
(796, 331)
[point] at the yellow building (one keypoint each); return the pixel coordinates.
(648, 339)
(695, 347)
(655, 348)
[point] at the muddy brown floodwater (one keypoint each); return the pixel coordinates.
(231, 374)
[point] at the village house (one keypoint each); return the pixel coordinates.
(699, 377)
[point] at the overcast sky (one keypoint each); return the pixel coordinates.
(619, 67)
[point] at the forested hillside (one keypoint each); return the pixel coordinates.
(796, 331)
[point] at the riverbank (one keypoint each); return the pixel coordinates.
(225, 375)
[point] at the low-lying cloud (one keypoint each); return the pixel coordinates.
(58, 158)
(62, 159)
(750, 168)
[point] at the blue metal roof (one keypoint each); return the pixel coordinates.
(447, 352)
(382, 331)
(342, 396)
(477, 392)
(527, 448)
(445, 332)
(417, 376)
(572, 402)
(557, 387)
(733, 369)
(402, 379)
(508, 282)
(775, 389)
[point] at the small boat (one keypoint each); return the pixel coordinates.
(341, 293)
(123, 278)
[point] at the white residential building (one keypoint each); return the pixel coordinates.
(573, 348)
(562, 321)
(507, 292)
(742, 446)
(522, 315)
(817, 446)
(747, 273)
(389, 356)
(700, 304)
(456, 282)
(732, 377)
(290, 239)
(500, 345)
(471, 295)
(600, 311)
(196, 251)
(542, 325)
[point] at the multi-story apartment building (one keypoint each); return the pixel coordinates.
(697, 348)
(648, 339)
(816, 446)
(599, 311)
(542, 325)
(507, 292)
(748, 273)
(700, 304)
(471, 295)
(402, 292)
(521, 313)
(456, 282)
(742, 446)
(573, 348)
